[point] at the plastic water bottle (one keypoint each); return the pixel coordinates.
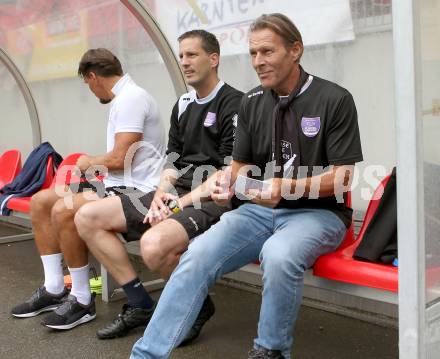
(173, 206)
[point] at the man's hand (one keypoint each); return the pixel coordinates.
(221, 189)
(158, 209)
(83, 163)
(269, 198)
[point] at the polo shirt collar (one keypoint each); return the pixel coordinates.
(304, 81)
(212, 95)
(117, 88)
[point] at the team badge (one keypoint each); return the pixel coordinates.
(310, 126)
(210, 119)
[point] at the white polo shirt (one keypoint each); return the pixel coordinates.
(134, 110)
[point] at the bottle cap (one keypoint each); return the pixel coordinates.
(173, 205)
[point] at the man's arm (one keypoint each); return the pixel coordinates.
(222, 188)
(113, 160)
(202, 193)
(333, 182)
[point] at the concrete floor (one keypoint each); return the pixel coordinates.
(228, 335)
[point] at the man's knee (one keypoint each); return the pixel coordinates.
(42, 202)
(86, 220)
(152, 249)
(60, 213)
(278, 262)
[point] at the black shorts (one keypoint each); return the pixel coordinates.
(99, 188)
(136, 204)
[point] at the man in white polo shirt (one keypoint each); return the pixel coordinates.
(135, 151)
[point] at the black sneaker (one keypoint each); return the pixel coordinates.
(40, 301)
(129, 318)
(207, 311)
(70, 314)
(263, 353)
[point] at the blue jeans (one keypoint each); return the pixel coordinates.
(286, 241)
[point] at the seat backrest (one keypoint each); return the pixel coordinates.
(10, 166)
(372, 207)
(65, 173)
(50, 173)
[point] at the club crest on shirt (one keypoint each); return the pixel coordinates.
(210, 119)
(310, 126)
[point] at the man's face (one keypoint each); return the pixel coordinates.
(273, 62)
(95, 85)
(197, 65)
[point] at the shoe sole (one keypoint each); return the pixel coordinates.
(82, 320)
(120, 334)
(112, 336)
(34, 314)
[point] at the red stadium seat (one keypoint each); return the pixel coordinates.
(10, 166)
(341, 266)
(22, 204)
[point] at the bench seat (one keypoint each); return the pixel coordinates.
(341, 266)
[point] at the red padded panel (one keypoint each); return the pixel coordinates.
(341, 266)
(20, 204)
(10, 166)
(65, 173)
(23, 204)
(50, 173)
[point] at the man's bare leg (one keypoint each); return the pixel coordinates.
(40, 210)
(46, 239)
(162, 246)
(50, 295)
(97, 223)
(73, 248)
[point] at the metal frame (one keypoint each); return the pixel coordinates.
(27, 94)
(410, 206)
(21, 220)
(146, 19)
(16, 238)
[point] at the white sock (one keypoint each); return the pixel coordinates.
(53, 273)
(81, 284)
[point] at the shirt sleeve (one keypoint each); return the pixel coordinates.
(131, 114)
(228, 117)
(343, 143)
(242, 151)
